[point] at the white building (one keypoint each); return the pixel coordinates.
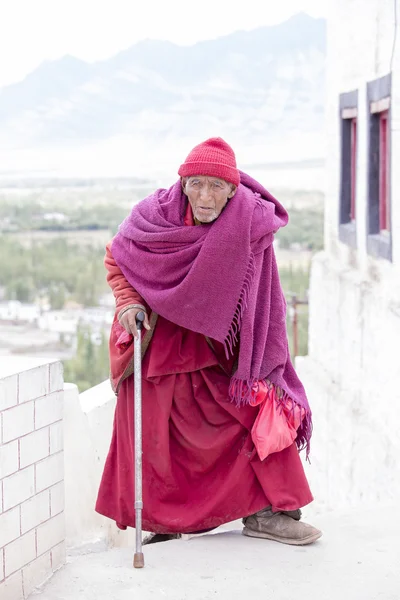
(352, 373)
(13, 310)
(60, 321)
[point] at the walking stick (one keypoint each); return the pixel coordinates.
(138, 559)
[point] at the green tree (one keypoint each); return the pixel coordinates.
(57, 295)
(295, 282)
(90, 365)
(56, 269)
(20, 289)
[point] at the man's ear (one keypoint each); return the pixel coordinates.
(233, 191)
(183, 182)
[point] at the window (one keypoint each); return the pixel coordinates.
(353, 143)
(348, 167)
(384, 209)
(379, 242)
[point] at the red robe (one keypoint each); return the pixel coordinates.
(200, 466)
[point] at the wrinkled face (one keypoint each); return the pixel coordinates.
(207, 196)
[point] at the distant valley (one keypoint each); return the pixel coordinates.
(138, 113)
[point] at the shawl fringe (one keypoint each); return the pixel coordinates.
(232, 337)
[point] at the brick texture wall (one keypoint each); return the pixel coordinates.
(32, 525)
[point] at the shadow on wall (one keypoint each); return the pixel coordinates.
(88, 420)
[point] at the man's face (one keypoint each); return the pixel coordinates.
(207, 196)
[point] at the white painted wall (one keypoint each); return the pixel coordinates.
(360, 47)
(87, 437)
(88, 421)
(352, 373)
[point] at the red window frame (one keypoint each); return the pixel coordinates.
(353, 167)
(384, 187)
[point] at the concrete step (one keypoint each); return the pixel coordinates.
(357, 558)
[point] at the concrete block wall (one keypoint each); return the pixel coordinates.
(32, 524)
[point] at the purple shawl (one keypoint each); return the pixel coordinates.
(219, 279)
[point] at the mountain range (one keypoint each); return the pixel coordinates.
(144, 108)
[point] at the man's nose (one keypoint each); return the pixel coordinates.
(205, 192)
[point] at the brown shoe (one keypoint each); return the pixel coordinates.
(155, 538)
(280, 527)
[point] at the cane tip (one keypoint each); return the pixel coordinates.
(138, 560)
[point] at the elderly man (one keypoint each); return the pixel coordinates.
(224, 413)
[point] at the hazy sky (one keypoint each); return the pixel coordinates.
(35, 30)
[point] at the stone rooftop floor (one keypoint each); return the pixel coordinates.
(358, 558)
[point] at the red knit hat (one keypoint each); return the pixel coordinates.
(215, 158)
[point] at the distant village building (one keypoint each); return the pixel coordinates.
(352, 372)
(55, 217)
(36, 329)
(60, 321)
(97, 316)
(13, 310)
(107, 300)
